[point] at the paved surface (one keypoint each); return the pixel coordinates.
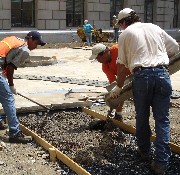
(72, 63)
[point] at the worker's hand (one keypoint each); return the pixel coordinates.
(115, 92)
(111, 86)
(13, 90)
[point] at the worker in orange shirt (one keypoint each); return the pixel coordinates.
(108, 56)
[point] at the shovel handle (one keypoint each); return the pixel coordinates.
(33, 101)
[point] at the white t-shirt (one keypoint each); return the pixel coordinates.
(146, 45)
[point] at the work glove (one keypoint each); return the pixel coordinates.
(111, 86)
(13, 90)
(115, 92)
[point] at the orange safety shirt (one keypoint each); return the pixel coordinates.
(110, 69)
(9, 43)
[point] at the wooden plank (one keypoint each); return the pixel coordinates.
(54, 152)
(70, 163)
(37, 138)
(126, 93)
(130, 129)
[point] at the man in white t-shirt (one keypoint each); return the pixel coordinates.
(145, 49)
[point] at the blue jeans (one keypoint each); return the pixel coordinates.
(116, 35)
(88, 38)
(152, 87)
(8, 103)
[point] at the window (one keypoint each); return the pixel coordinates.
(22, 13)
(148, 14)
(115, 7)
(176, 13)
(74, 13)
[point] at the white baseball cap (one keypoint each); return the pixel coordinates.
(114, 16)
(98, 48)
(86, 21)
(124, 13)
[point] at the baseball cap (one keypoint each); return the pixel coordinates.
(124, 13)
(86, 21)
(36, 35)
(98, 48)
(114, 16)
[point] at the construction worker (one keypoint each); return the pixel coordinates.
(108, 56)
(145, 49)
(87, 28)
(14, 52)
(115, 28)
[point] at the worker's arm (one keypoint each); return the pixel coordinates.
(122, 72)
(9, 73)
(121, 76)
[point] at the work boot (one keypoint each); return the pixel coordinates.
(144, 155)
(157, 168)
(118, 117)
(20, 138)
(3, 126)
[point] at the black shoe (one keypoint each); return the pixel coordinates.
(20, 138)
(157, 168)
(144, 155)
(3, 126)
(118, 117)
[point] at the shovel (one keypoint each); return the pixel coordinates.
(48, 109)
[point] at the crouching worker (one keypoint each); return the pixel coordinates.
(14, 52)
(108, 56)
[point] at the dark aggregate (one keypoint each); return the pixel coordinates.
(107, 151)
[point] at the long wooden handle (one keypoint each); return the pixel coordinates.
(33, 101)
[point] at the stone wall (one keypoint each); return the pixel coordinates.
(51, 15)
(98, 13)
(5, 14)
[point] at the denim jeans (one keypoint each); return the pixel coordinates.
(88, 38)
(116, 35)
(152, 88)
(8, 103)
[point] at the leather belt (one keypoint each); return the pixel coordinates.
(139, 68)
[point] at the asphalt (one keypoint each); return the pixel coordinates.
(71, 63)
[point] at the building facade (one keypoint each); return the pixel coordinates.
(65, 14)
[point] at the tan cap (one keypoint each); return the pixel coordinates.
(98, 48)
(124, 13)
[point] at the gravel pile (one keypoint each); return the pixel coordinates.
(103, 151)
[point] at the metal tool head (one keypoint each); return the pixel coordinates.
(113, 103)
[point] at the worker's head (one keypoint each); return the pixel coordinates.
(85, 21)
(101, 53)
(114, 16)
(34, 38)
(126, 17)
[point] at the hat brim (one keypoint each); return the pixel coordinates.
(41, 42)
(92, 57)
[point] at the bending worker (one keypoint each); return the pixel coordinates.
(108, 56)
(14, 52)
(145, 49)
